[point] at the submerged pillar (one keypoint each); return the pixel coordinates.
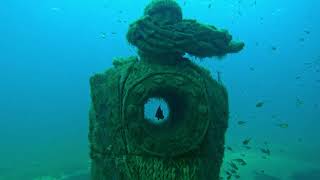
(188, 141)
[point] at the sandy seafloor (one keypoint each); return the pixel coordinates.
(280, 165)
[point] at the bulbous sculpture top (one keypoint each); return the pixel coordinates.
(163, 35)
(164, 11)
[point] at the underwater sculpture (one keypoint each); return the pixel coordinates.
(190, 143)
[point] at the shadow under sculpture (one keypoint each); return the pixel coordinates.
(189, 145)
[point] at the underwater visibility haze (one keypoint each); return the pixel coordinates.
(50, 50)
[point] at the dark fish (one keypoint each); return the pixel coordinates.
(251, 68)
(113, 33)
(240, 161)
(254, 3)
(274, 48)
(264, 157)
(306, 31)
(229, 148)
(246, 141)
(301, 39)
(247, 147)
(265, 151)
(298, 77)
(237, 176)
(259, 104)
(209, 6)
(241, 122)
(159, 113)
(233, 165)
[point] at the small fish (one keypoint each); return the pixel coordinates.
(301, 39)
(246, 141)
(240, 161)
(251, 69)
(159, 113)
(247, 147)
(264, 157)
(274, 48)
(229, 148)
(306, 31)
(283, 125)
(233, 165)
(254, 3)
(209, 6)
(298, 77)
(265, 151)
(242, 122)
(259, 104)
(113, 33)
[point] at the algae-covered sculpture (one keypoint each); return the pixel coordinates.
(189, 143)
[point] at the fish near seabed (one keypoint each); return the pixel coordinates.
(246, 141)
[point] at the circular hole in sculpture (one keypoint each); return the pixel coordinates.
(156, 110)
